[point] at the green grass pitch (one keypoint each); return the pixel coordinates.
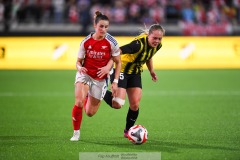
(189, 114)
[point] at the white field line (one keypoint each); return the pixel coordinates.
(36, 94)
(145, 93)
(192, 93)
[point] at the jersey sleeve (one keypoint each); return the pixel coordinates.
(131, 48)
(115, 50)
(81, 51)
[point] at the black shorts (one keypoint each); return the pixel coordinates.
(128, 80)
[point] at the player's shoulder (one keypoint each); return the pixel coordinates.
(111, 39)
(141, 36)
(86, 38)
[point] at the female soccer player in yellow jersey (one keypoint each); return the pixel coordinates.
(133, 56)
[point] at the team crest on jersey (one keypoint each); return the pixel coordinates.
(90, 47)
(104, 47)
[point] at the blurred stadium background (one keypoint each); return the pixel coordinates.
(74, 17)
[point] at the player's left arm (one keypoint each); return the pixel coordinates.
(106, 69)
(149, 64)
(118, 64)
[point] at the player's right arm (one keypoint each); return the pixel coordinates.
(81, 57)
(79, 66)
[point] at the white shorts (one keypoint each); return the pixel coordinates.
(97, 88)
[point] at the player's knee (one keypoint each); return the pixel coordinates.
(117, 103)
(89, 113)
(79, 103)
(134, 106)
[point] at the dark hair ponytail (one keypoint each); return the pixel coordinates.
(99, 16)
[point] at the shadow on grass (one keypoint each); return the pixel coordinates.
(190, 146)
(154, 145)
(119, 142)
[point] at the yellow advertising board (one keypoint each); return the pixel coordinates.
(176, 53)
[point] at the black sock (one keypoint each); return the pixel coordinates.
(131, 118)
(108, 98)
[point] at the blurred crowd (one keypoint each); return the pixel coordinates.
(120, 11)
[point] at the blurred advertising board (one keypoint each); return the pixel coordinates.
(176, 53)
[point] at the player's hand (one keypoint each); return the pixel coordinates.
(102, 71)
(114, 88)
(82, 70)
(154, 76)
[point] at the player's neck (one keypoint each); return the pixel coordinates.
(97, 37)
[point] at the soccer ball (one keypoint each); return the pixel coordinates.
(138, 134)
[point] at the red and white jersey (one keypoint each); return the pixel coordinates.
(97, 53)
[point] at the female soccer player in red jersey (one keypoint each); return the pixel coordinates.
(133, 56)
(94, 54)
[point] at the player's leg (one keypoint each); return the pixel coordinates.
(108, 95)
(92, 106)
(118, 101)
(80, 96)
(95, 96)
(108, 98)
(134, 92)
(134, 96)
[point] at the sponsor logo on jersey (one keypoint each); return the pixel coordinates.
(95, 54)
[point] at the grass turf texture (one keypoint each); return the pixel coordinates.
(189, 114)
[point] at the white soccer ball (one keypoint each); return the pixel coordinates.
(138, 134)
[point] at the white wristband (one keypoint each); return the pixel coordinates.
(115, 80)
(79, 67)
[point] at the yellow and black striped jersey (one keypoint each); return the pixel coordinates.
(135, 54)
